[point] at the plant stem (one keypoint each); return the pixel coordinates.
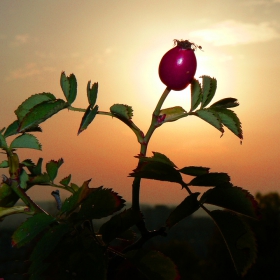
(143, 150)
(14, 182)
(154, 122)
(184, 185)
(25, 198)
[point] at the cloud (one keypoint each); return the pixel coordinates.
(99, 58)
(260, 2)
(29, 70)
(20, 39)
(232, 32)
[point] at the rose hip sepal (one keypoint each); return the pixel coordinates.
(178, 66)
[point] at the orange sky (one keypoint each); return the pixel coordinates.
(119, 44)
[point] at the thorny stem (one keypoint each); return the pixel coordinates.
(184, 185)
(14, 182)
(143, 150)
(143, 140)
(22, 194)
(62, 187)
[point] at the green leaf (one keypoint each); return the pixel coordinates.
(41, 179)
(235, 199)
(26, 141)
(196, 94)
(211, 179)
(239, 239)
(69, 87)
(224, 103)
(194, 170)
(52, 168)
(8, 197)
(35, 169)
(172, 114)
(31, 228)
(40, 113)
(153, 264)
(35, 128)
(74, 187)
(6, 211)
(72, 202)
(12, 129)
(157, 171)
(209, 86)
(4, 164)
(3, 143)
(122, 111)
(88, 117)
(23, 179)
(65, 181)
(100, 203)
(31, 102)
(183, 210)
(28, 163)
(44, 247)
(210, 117)
(92, 93)
(230, 120)
(48, 242)
(118, 224)
(157, 157)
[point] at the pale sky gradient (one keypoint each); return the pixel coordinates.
(119, 44)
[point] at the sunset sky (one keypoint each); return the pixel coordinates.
(119, 45)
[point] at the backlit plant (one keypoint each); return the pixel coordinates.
(68, 244)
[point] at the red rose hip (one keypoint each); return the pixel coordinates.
(178, 66)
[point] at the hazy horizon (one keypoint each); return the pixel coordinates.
(119, 45)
